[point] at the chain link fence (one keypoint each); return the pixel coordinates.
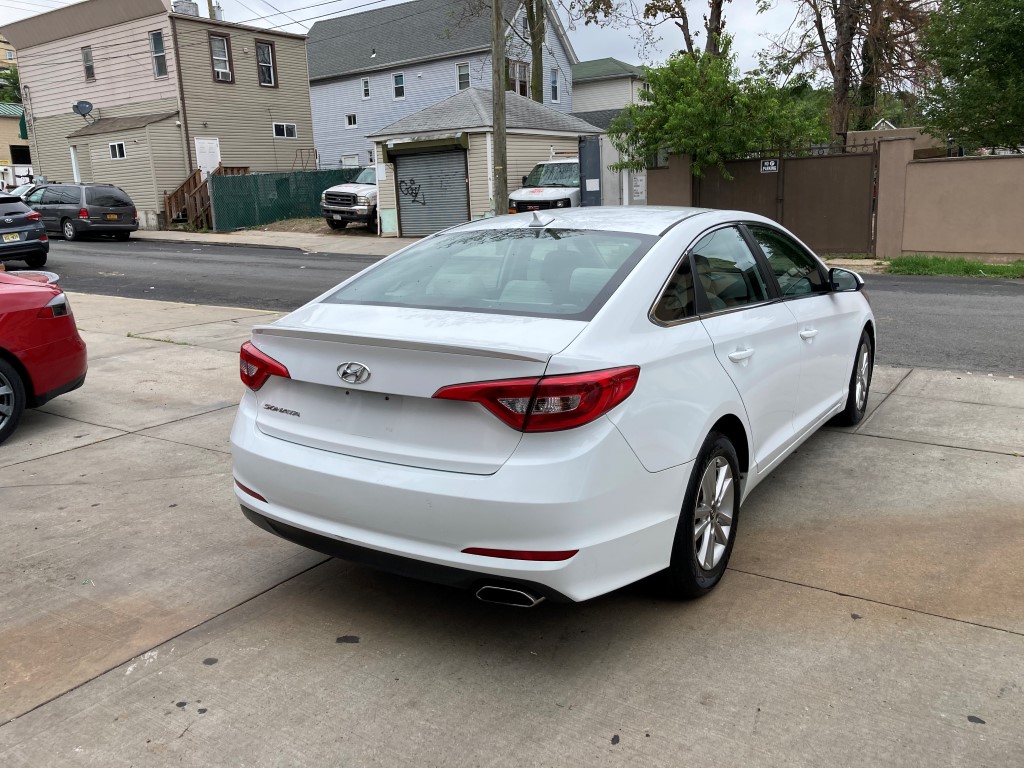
(261, 198)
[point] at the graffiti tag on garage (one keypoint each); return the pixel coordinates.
(413, 191)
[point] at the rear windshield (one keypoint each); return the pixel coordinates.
(536, 272)
(110, 197)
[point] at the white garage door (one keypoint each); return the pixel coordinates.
(433, 193)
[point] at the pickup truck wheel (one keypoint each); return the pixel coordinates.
(335, 224)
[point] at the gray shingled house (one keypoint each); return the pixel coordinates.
(438, 161)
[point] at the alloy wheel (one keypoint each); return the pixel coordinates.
(863, 377)
(69, 230)
(713, 516)
(6, 400)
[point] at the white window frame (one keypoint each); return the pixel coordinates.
(161, 56)
(272, 65)
(395, 86)
(371, 154)
(10, 55)
(353, 122)
(354, 161)
(555, 90)
(458, 76)
(88, 64)
(284, 129)
(226, 58)
(365, 85)
(115, 154)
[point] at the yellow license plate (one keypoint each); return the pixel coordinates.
(113, 216)
(12, 237)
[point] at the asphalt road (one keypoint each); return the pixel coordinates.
(931, 322)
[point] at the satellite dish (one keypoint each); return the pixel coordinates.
(82, 108)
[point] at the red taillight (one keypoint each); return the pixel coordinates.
(83, 213)
(549, 403)
(57, 307)
(522, 554)
(135, 214)
(33, 216)
(44, 238)
(250, 492)
(255, 367)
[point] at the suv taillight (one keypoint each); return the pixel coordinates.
(83, 213)
(135, 214)
(33, 216)
(255, 367)
(549, 403)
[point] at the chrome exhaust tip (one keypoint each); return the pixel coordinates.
(517, 598)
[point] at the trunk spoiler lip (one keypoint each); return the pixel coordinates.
(537, 356)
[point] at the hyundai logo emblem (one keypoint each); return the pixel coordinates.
(8, 221)
(354, 373)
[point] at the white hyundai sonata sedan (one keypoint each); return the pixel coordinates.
(550, 406)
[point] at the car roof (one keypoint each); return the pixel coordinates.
(642, 219)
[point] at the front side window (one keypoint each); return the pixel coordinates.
(795, 269)
(727, 270)
(564, 273)
(266, 64)
(554, 85)
(116, 150)
(87, 65)
(366, 87)
(156, 50)
(463, 76)
(284, 131)
(398, 82)
(220, 57)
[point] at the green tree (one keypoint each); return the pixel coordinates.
(10, 85)
(697, 105)
(976, 91)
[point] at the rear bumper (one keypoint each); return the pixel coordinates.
(56, 367)
(598, 500)
(22, 248)
(86, 226)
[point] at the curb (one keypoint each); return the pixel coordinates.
(231, 245)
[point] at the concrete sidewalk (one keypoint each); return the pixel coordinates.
(873, 613)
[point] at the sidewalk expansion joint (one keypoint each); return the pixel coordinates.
(879, 602)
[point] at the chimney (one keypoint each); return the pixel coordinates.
(185, 7)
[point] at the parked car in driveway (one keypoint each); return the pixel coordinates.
(550, 405)
(74, 210)
(352, 202)
(22, 235)
(41, 354)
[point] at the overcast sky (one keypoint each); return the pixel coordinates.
(746, 26)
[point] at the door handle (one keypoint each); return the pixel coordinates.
(740, 355)
(808, 334)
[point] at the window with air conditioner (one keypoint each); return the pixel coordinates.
(220, 57)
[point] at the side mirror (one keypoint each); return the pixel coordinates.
(524, 182)
(844, 281)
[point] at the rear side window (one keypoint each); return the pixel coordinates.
(68, 195)
(536, 272)
(794, 268)
(109, 197)
(677, 300)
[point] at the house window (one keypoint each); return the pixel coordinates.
(87, 65)
(350, 161)
(526, 25)
(366, 87)
(463, 73)
(220, 57)
(284, 130)
(156, 50)
(554, 85)
(350, 121)
(398, 82)
(370, 156)
(10, 55)
(116, 150)
(519, 77)
(266, 64)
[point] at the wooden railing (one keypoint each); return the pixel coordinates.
(190, 202)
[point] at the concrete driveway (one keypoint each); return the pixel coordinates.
(873, 615)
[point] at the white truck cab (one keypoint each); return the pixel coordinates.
(554, 183)
(355, 201)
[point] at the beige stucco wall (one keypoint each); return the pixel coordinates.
(921, 139)
(966, 206)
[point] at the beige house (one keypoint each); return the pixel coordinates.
(15, 157)
(170, 93)
(8, 56)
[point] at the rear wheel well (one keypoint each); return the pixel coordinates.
(732, 428)
(30, 391)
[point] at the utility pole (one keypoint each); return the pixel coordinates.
(499, 171)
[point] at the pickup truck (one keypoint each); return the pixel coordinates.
(552, 184)
(353, 201)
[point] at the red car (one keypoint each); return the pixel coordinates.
(41, 353)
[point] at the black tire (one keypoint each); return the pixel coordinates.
(37, 261)
(67, 228)
(12, 399)
(122, 235)
(687, 577)
(857, 397)
(335, 224)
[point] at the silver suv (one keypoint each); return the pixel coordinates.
(74, 210)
